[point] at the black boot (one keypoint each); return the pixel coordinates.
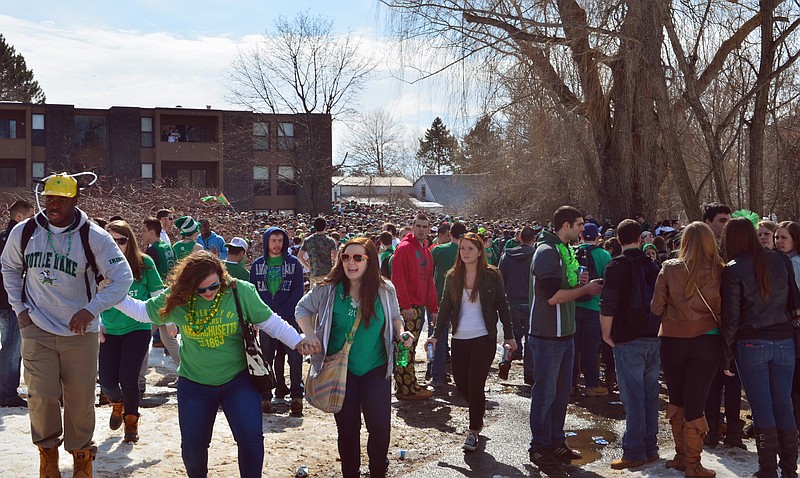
(767, 446)
(733, 437)
(787, 452)
(713, 436)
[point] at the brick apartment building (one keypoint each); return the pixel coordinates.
(260, 161)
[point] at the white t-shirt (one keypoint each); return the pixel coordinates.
(165, 237)
(470, 318)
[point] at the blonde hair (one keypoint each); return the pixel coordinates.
(699, 252)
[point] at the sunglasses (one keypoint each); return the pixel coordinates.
(121, 240)
(356, 257)
(212, 287)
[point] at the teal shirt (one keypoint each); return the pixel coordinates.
(117, 323)
(601, 259)
(274, 277)
(367, 351)
(444, 258)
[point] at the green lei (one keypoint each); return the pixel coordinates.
(570, 264)
(199, 325)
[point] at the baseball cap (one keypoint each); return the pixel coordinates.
(238, 242)
(61, 185)
(590, 231)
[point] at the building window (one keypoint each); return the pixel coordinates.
(37, 170)
(261, 181)
(147, 173)
(261, 136)
(90, 132)
(285, 137)
(147, 132)
(8, 129)
(424, 192)
(8, 177)
(37, 130)
(286, 183)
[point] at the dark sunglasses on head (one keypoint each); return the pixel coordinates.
(212, 287)
(356, 257)
(121, 240)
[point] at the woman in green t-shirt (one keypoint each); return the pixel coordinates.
(213, 367)
(124, 342)
(354, 288)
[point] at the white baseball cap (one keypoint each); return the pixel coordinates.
(238, 242)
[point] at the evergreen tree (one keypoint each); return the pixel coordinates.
(437, 149)
(16, 80)
(481, 148)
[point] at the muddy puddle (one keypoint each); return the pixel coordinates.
(590, 443)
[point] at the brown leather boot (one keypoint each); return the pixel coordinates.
(693, 433)
(115, 421)
(48, 462)
(82, 463)
(676, 420)
(131, 428)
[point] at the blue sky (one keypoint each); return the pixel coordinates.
(155, 53)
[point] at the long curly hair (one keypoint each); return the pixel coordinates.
(370, 282)
(132, 253)
(187, 275)
(458, 273)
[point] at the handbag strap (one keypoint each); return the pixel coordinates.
(348, 340)
(703, 297)
(238, 307)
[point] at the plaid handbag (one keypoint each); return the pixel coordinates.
(325, 390)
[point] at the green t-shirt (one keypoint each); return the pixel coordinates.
(117, 323)
(274, 277)
(367, 351)
(182, 249)
(166, 258)
(213, 355)
(601, 258)
(491, 256)
(444, 258)
(237, 270)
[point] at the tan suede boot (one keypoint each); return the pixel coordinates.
(693, 433)
(131, 428)
(676, 420)
(48, 462)
(82, 463)
(115, 421)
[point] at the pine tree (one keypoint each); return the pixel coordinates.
(437, 149)
(16, 80)
(481, 148)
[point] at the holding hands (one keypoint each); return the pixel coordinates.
(310, 345)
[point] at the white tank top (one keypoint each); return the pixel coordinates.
(470, 318)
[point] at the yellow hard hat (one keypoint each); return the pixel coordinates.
(61, 185)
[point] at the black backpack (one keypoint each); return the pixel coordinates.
(643, 284)
(584, 257)
(385, 263)
(83, 231)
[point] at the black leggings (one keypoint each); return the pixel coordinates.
(472, 359)
(121, 358)
(689, 367)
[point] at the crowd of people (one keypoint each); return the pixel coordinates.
(713, 305)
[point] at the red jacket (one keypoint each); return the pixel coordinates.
(412, 275)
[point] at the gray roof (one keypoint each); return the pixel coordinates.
(372, 181)
(453, 191)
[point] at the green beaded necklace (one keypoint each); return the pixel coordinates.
(69, 241)
(199, 325)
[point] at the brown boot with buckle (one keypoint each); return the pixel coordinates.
(48, 462)
(131, 428)
(115, 421)
(296, 409)
(82, 463)
(676, 420)
(694, 432)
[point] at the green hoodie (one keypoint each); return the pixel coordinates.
(549, 320)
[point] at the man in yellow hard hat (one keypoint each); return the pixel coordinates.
(47, 266)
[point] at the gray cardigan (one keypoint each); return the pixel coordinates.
(319, 301)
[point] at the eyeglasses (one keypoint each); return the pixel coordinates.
(356, 257)
(171, 218)
(121, 240)
(212, 287)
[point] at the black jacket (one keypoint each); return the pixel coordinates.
(515, 265)
(744, 310)
(493, 303)
(3, 238)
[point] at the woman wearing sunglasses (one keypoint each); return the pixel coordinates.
(213, 369)
(124, 342)
(473, 298)
(355, 288)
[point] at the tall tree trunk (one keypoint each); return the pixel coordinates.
(755, 189)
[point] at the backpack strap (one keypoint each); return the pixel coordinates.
(91, 262)
(27, 233)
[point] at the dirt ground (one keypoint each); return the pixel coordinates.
(424, 429)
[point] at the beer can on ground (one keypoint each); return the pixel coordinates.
(302, 472)
(429, 351)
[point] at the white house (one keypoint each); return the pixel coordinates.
(369, 186)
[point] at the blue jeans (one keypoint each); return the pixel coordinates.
(197, 410)
(587, 346)
(10, 357)
(638, 363)
(552, 372)
(766, 368)
(269, 346)
(121, 359)
(370, 394)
